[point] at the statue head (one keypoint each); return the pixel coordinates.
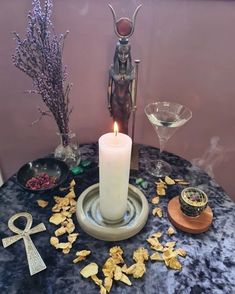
(123, 51)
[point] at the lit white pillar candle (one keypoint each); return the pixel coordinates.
(114, 169)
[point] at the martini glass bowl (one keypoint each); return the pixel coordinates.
(166, 118)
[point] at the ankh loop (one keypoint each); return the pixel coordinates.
(36, 264)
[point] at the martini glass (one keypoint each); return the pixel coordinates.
(166, 118)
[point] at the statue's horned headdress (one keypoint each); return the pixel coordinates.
(124, 27)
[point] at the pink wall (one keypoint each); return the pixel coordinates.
(187, 52)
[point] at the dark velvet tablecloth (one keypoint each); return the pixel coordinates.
(208, 268)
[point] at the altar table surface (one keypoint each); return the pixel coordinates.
(208, 268)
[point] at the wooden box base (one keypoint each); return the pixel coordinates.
(193, 225)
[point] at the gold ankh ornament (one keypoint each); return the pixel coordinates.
(36, 264)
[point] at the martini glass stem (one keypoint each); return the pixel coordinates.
(162, 146)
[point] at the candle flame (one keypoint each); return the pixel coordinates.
(115, 128)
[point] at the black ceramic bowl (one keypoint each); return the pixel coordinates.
(54, 168)
(193, 201)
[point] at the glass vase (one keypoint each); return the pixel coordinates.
(68, 150)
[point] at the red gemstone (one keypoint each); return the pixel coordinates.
(124, 26)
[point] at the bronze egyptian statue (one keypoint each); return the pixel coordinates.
(122, 74)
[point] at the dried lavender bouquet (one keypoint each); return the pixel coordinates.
(39, 56)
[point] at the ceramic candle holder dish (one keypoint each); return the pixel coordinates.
(193, 201)
(43, 174)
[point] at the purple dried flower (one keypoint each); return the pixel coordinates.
(40, 57)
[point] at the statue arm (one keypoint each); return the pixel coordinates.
(109, 93)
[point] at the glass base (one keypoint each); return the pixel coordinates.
(160, 168)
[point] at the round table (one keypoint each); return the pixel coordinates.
(208, 268)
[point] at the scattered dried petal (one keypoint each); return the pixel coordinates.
(42, 203)
(156, 257)
(170, 231)
(102, 290)
(90, 270)
(170, 244)
(155, 200)
(157, 211)
(169, 181)
(139, 271)
(66, 250)
(57, 218)
(96, 280)
(181, 252)
(63, 245)
(60, 231)
(108, 282)
(141, 254)
(156, 235)
(72, 184)
(81, 255)
(173, 263)
(161, 191)
(125, 280)
(183, 183)
(129, 270)
(72, 237)
(71, 194)
(54, 241)
(70, 227)
(118, 273)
